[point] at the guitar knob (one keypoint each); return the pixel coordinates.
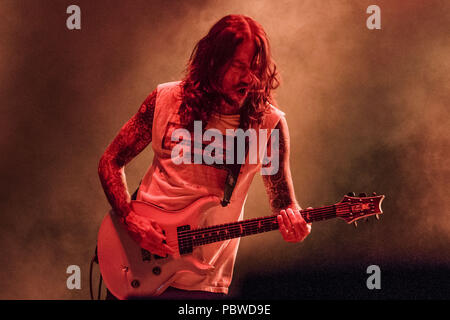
(156, 271)
(351, 194)
(362, 195)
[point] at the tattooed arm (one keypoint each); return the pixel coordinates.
(280, 189)
(134, 136)
(279, 186)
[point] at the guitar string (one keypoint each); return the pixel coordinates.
(249, 226)
(317, 215)
(254, 224)
(252, 228)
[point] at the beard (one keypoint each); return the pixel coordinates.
(230, 101)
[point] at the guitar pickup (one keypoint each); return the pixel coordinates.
(147, 256)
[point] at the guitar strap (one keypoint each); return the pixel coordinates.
(233, 173)
(230, 184)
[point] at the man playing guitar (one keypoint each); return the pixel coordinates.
(228, 85)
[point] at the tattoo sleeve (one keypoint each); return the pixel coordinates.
(279, 186)
(132, 138)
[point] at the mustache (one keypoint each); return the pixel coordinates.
(253, 86)
(248, 88)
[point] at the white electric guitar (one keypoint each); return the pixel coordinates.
(132, 272)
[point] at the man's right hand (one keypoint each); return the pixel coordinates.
(148, 234)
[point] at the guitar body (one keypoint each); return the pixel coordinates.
(131, 272)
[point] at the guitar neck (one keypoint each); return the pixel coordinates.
(202, 236)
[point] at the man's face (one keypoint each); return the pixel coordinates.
(237, 77)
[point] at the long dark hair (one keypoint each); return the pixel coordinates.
(202, 92)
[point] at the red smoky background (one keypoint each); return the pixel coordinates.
(367, 111)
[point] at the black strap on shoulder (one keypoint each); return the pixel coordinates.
(134, 195)
(233, 173)
(230, 183)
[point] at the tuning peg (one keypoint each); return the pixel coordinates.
(356, 224)
(374, 193)
(362, 195)
(377, 216)
(351, 194)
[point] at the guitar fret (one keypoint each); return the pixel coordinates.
(235, 230)
(197, 237)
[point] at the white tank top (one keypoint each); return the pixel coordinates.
(175, 186)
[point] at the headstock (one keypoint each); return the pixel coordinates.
(352, 208)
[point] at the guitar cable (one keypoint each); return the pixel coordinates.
(94, 259)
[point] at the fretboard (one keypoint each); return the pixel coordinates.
(201, 236)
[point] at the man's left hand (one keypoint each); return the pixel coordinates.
(293, 227)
